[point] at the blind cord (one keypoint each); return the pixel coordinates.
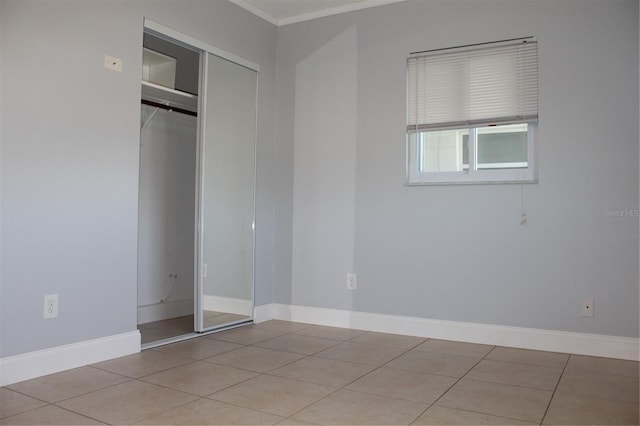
(523, 214)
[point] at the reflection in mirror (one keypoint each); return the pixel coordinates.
(227, 192)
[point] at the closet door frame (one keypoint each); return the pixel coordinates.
(203, 48)
(195, 44)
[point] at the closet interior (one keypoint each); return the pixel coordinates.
(167, 190)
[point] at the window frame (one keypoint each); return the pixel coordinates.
(419, 124)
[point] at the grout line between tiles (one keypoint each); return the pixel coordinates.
(553, 394)
(80, 414)
(212, 393)
(169, 409)
(191, 361)
(452, 385)
(127, 379)
(530, 364)
(245, 408)
(358, 378)
(24, 394)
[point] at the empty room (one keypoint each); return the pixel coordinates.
(319, 212)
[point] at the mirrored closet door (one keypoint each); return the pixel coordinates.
(227, 178)
(197, 186)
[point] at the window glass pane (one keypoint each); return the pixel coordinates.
(441, 151)
(465, 151)
(502, 147)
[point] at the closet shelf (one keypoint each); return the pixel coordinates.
(166, 96)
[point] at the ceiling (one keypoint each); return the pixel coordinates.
(283, 12)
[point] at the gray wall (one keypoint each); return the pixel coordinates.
(459, 252)
(69, 166)
(70, 154)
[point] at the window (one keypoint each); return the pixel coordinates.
(472, 113)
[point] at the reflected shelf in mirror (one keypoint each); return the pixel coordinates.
(169, 97)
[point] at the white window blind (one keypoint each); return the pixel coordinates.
(472, 86)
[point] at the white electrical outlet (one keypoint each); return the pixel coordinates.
(587, 307)
(113, 64)
(352, 283)
(50, 306)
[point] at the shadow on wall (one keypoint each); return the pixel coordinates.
(325, 136)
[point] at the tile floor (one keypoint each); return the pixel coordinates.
(288, 373)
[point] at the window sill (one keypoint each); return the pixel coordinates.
(470, 182)
(479, 177)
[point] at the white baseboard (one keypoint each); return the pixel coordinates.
(518, 337)
(164, 310)
(227, 304)
(263, 313)
(27, 366)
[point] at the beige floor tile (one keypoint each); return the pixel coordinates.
(454, 348)
(409, 385)
(283, 326)
(198, 348)
(427, 362)
(323, 371)
(275, 395)
(49, 415)
(298, 343)
(619, 367)
(497, 399)
(68, 384)
(253, 358)
(448, 416)
(348, 407)
(511, 373)
(577, 409)
(365, 354)
(127, 403)
(600, 385)
(526, 356)
(209, 412)
(142, 364)
(290, 421)
(215, 380)
(334, 333)
(246, 335)
(390, 340)
(12, 402)
(200, 378)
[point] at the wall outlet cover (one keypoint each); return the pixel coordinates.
(50, 306)
(352, 283)
(587, 307)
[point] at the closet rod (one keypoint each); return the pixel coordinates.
(168, 107)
